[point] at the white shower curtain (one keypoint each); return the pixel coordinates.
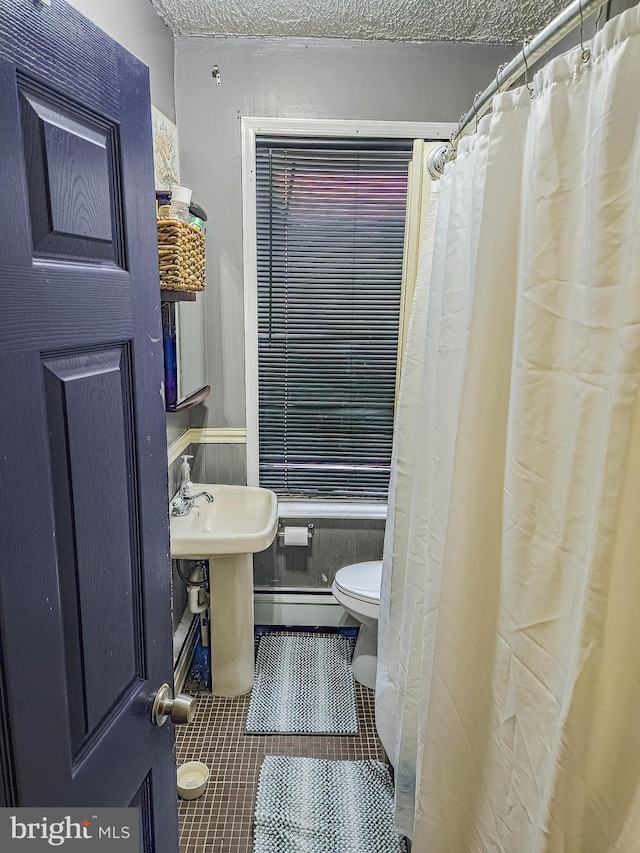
(508, 692)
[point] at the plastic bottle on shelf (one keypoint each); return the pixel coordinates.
(180, 201)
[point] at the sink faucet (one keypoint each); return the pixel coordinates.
(184, 501)
(183, 504)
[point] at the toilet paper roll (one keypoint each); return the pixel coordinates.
(296, 536)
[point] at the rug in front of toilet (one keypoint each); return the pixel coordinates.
(303, 685)
(323, 806)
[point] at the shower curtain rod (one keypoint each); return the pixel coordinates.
(571, 17)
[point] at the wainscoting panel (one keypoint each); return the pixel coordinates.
(212, 463)
(225, 463)
(336, 542)
(219, 456)
(174, 475)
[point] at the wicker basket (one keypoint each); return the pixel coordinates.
(181, 255)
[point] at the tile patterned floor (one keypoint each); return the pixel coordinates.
(221, 820)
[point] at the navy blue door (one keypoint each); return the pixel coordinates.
(85, 634)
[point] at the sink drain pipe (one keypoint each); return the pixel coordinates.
(198, 598)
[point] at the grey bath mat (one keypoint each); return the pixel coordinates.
(303, 685)
(311, 805)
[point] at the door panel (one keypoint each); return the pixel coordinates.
(85, 629)
(87, 395)
(70, 162)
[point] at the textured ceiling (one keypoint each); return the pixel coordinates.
(506, 21)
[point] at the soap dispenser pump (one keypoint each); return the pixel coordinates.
(185, 472)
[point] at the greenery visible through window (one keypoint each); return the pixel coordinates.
(330, 231)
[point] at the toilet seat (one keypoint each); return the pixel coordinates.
(361, 581)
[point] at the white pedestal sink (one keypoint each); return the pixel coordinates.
(241, 521)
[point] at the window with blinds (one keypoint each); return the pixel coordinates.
(330, 233)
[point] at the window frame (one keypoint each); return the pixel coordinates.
(252, 127)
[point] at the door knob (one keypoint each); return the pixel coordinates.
(181, 709)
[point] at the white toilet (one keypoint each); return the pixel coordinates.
(357, 588)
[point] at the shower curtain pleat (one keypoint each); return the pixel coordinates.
(508, 693)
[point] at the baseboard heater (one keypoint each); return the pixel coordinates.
(184, 643)
(293, 607)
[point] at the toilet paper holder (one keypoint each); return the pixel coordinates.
(281, 533)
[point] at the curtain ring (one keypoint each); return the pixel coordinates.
(586, 53)
(475, 108)
(498, 73)
(526, 69)
(598, 16)
(456, 133)
(497, 84)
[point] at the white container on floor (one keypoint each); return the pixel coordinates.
(192, 779)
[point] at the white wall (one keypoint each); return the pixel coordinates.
(137, 26)
(292, 78)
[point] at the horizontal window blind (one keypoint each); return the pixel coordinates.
(330, 231)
